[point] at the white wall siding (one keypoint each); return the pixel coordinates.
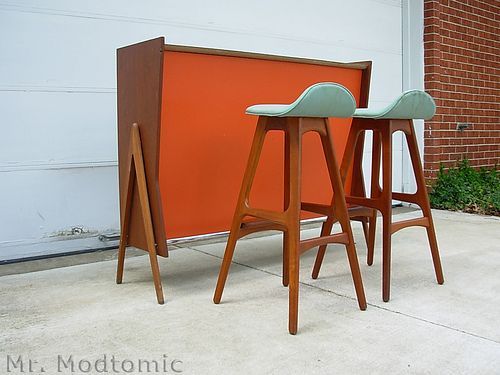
(58, 89)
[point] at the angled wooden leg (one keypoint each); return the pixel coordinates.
(253, 161)
(365, 223)
(340, 212)
(145, 210)
(293, 220)
(424, 201)
(327, 226)
(386, 135)
(125, 220)
(286, 202)
(326, 229)
(228, 257)
(372, 229)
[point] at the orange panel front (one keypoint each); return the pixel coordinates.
(206, 136)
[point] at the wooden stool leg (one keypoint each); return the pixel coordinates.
(328, 224)
(286, 264)
(294, 267)
(340, 212)
(358, 188)
(286, 202)
(375, 193)
(372, 229)
(386, 199)
(246, 186)
(424, 201)
(364, 223)
(228, 257)
(326, 229)
(293, 221)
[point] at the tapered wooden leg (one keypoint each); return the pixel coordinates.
(326, 229)
(121, 259)
(286, 202)
(386, 255)
(424, 201)
(293, 222)
(327, 226)
(386, 212)
(285, 277)
(364, 224)
(125, 221)
(431, 235)
(340, 212)
(136, 173)
(155, 268)
(354, 265)
(228, 257)
(145, 210)
(374, 193)
(293, 287)
(372, 229)
(369, 234)
(253, 161)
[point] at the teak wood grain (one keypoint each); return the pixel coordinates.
(140, 84)
(288, 220)
(136, 186)
(381, 196)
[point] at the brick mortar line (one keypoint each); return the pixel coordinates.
(491, 17)
(473, 27)
(354, 299)
(458, 62)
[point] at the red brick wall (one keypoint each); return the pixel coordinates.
(462, 72)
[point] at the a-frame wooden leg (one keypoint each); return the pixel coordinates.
(424, 200)
(293, 220)
(340, 212)
(137, 174)
(253, 161)
(125, 219)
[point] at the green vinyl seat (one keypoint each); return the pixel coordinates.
(410, 105)
(323, 99)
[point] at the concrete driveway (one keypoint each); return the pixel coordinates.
(69, 318)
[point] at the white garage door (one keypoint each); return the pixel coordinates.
(58, 156)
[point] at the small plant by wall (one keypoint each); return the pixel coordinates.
(464, 188)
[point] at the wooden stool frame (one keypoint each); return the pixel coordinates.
(382, 196)
(288, 221)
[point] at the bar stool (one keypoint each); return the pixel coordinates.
(398, 116)
(309, 112)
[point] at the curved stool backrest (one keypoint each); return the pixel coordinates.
(410, 105)
(323, 99)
